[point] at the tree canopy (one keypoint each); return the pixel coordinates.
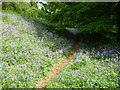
(86, 17)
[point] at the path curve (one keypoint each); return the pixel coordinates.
(56, 69)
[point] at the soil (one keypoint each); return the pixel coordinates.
(56, 69)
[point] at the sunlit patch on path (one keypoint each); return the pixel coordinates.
(56, 69)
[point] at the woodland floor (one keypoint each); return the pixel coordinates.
(32, 56)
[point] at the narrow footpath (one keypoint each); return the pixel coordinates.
(56, 69)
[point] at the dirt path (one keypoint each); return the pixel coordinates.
(56, 69)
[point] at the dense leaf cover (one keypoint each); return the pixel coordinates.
(86, 17)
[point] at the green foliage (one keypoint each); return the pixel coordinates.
(87, 70)
(92, 75)
(26, 9)
(26, 58)
(16, 6)
(86, 17)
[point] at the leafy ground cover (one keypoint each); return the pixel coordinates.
(94, 65)
(28, 51)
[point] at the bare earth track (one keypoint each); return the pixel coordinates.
(56, 69)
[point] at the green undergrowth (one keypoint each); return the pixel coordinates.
(86, 70)
(29, 14)
(28, 52)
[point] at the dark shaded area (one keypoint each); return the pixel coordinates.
(52, 29)
(102, 37)
(61, 31)
(93, 40)
(99, 38)
(105, 37)
(118, 17)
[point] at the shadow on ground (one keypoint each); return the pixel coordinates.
(97, 41)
